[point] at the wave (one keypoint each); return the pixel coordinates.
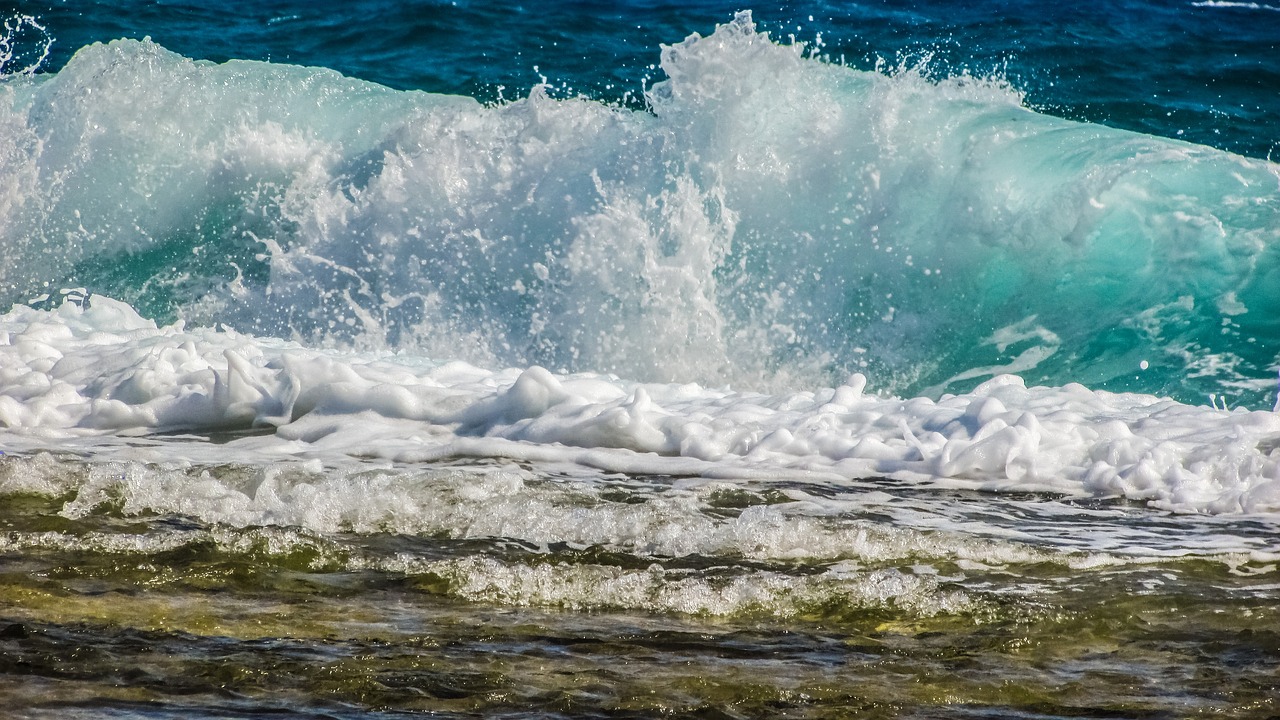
(774, 221)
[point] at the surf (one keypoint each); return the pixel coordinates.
(773, 220)
(783, 266)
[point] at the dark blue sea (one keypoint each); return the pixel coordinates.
(639, 359)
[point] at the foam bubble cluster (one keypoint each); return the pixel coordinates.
(80, 372)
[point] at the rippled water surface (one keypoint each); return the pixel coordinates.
(514, 592)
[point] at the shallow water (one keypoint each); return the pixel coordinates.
(140, 615)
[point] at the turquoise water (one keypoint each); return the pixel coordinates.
(929, 221)
(639, 360)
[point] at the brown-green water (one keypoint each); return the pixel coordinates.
(111, 610)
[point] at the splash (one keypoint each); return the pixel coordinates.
(24, 46)
(773, 221)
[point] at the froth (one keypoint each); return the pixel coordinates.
(656, 522)
(588, 587)
(77, 372)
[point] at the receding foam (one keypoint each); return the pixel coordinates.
(104, 371)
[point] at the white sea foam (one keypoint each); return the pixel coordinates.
(590, 587)
(573, 586)
(1234, 5)
(498, 504)
(75, 372)
(662, 519)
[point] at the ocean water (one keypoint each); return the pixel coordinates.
(639, 360)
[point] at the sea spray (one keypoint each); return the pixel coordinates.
(24, 45)
(775, 221)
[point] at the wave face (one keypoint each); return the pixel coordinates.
(773, 221)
